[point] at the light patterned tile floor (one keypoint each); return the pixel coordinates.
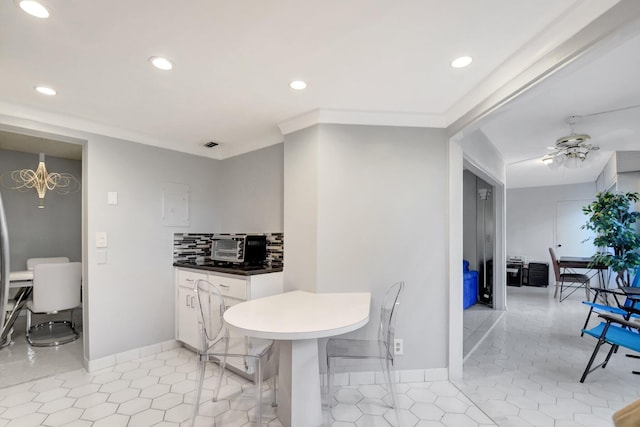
(478, 320)
(20, 362)
(158, 391)
(526, 371)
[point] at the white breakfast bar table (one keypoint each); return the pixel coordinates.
(297, 319)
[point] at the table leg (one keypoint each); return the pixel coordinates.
(20, 301)
(299, 402)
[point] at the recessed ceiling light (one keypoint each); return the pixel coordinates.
(461, 62)
(46, 90)
(34, 8)
(161, 63)
(297, 85)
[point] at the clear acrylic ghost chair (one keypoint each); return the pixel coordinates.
(56, 288)
(381, 349)
(216, 342)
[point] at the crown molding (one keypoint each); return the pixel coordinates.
(373, 118)
(24, 112)
(31, 121)
(596, 26)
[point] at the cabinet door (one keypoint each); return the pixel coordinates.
(188, 328)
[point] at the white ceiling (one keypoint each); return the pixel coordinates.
(31, 144)
(603, 81)
(234, 60)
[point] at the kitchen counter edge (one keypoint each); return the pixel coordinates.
(227, 270)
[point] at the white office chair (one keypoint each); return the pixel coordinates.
(14, 303)
(56, 288)
(32, 262)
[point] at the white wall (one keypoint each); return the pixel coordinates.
(531, 217)
(381, 218)
(455, 162)
(483, 160)
(250, 191)
(607, 178)
(627, 176)
(629, 182)
(301, 209)
(131, 297)
(55, 230)
(483, 155)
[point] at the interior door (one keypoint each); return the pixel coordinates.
(570, 238)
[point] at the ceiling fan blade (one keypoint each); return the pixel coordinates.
(525, 160)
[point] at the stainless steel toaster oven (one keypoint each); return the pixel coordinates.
(242, 249)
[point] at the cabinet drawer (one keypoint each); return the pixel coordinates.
(229, 287)
(187, 278)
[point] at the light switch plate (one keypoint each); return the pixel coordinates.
(112, 198)
(101, 239)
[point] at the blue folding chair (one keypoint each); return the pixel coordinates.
(618, 308)
(617, 332)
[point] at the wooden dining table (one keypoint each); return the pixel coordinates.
(572, 263)
(297, 319)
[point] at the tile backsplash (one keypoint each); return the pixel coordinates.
(191, 246)
(197, 246)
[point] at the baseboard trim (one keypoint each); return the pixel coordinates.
(138, 353)
(377, 377)
(341, 378)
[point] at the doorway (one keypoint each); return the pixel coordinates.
(51, 231)
(479, 234)
(570, 238)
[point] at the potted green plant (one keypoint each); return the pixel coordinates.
(610, 217)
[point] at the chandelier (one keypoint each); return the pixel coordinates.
(42, 181)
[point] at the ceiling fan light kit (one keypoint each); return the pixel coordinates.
(570, 151)
(570, 157)
(572, 140)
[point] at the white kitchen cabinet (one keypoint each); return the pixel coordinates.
(187, 317)
(187, 308)
(235, 289)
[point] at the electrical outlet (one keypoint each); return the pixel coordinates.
(398, 347)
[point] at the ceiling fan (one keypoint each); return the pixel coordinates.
(570, 150)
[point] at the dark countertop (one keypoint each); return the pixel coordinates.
(240, 271)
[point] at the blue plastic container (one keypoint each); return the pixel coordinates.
(469, 286)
